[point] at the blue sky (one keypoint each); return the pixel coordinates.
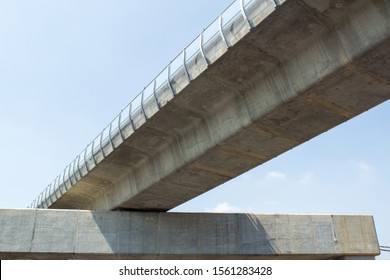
(68, 67)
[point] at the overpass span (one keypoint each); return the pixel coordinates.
(265, 77)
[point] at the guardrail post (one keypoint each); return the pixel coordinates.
(221, 32)
(155, 95)
(63, 180)
(202, 50)
(101, 145)
(142, 105)
(78, 167)
(109, 136)
(74, 172)
(245, 15)
(169, 80)
(185, 66)
(119, 126)
(69, 177)
(130, 119)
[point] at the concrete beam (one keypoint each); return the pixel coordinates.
(304, 68)
(71, 234)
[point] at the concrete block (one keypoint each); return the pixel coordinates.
(80, 234)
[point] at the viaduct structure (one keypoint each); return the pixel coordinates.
(265, 77)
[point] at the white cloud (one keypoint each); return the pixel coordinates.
(276, 175)
(270, 203)
(366, 171)
(306, 178)
(363, 166)
(224, 207)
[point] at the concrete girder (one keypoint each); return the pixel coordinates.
(304, 68)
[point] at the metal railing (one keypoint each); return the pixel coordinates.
(234, 22)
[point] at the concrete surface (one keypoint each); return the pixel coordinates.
(80, 234)
(304, 68)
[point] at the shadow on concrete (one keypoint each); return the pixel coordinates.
(148, 235)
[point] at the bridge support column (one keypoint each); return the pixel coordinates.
(68, 234)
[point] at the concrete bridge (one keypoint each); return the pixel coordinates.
(273, 75)
(265, 77)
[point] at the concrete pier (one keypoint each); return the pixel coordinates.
(71, 234)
